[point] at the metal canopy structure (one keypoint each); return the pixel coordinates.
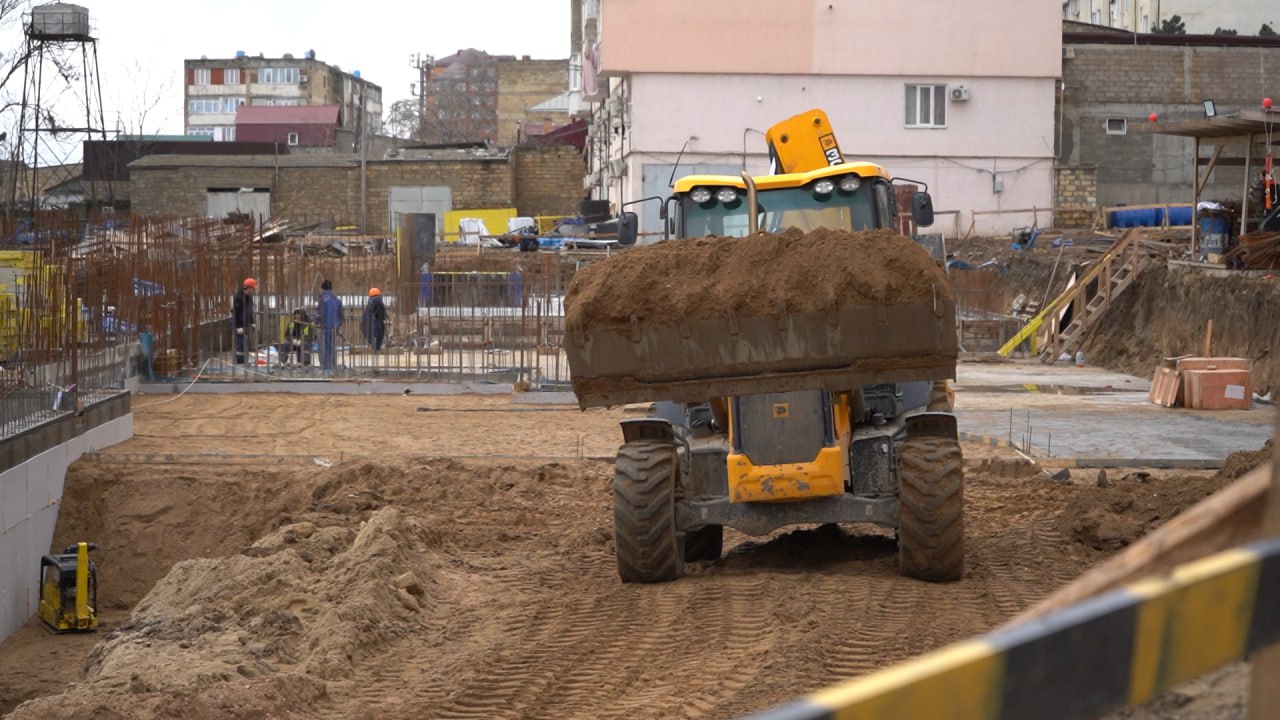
(1241, 128)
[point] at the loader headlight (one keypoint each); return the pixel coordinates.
(849, 183)
(727, 195)
(700, 195)
(824, 186)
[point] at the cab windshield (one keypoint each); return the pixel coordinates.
(783, 209)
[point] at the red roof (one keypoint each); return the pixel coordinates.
(287, 115)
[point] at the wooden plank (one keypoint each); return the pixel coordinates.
(1264, 691)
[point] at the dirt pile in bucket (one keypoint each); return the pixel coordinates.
(761, 275)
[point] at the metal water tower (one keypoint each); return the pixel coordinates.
(61, 85)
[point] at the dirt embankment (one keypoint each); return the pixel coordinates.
(1167, 312)
(755, 276)
(416, 587)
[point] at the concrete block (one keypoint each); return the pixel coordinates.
(39, 468)
(18, 599)
(13, 498)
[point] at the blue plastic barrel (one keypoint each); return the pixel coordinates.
(1213, 234)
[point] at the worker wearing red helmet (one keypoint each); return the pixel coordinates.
(243, 319)
(374, 321)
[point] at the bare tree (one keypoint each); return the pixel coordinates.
(140, 114)
(404, 118)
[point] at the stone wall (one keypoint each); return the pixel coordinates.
(523, 84)
(1076, 186)
(534, 180)
(183, 191)
(1129, 82)
(548, 180)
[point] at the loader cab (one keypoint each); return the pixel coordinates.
(851, 196)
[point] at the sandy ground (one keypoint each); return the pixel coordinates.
(281, 556)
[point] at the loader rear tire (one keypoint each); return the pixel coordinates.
(705, 543)
(931, 509)
(647, 546)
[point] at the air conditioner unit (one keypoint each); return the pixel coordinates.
(590, 180)
(303, 77)
(959, 93)
(617, 168)
(611, 106)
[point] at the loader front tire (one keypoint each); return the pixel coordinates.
(647, 546)
(931, 509)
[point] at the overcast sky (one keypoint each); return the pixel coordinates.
(142, 43)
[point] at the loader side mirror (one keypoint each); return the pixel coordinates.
(922, 209)
(628, 229)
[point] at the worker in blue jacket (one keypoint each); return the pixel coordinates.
(329, 317)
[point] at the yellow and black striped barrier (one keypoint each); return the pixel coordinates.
(1119, 649)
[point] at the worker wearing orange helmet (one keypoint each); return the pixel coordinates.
(374, 321)
(243, 319)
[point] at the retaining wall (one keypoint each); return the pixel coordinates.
(33, 467)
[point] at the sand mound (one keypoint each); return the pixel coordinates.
(1240, 463)
(1112, 517)
(753, 276)
(292, 611)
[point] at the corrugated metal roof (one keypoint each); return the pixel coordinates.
(287, 115)
(559, 103)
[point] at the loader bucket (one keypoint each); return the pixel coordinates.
(688, 320)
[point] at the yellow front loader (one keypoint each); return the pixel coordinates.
(837, 415)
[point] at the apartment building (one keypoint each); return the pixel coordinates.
(680, 88)
(216, 89)
(472, 96)
(1198, 17)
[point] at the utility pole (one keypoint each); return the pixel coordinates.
(360, 138)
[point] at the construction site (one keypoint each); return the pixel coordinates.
(787, 437)
(426, 530)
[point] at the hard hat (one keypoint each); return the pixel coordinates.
(374, 291)
(250, 282)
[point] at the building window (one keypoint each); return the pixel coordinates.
(231, 76)
(293, 138)
(203, 76)
(927, 106)
(206, 105)
(229, 133)
(1117, 126)
(201, 131)
(278, 76)
(232, 104)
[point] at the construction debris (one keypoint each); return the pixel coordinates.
(1256, 251)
